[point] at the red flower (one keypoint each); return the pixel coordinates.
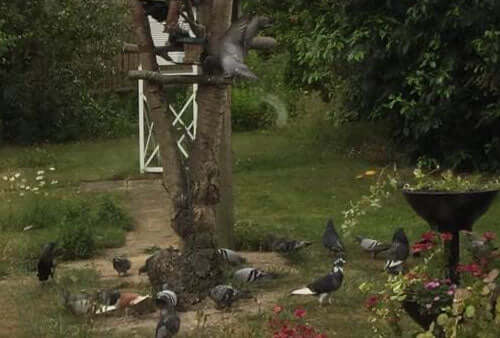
(299, 313)
(428, 236)
(422, 246)
(446, 236)
(489, 235)
(371, 302)
(472, 268)
(277, 309)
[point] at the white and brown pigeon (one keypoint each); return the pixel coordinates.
(323, 286)
(331, 239)
(397, 253)
(121, 265)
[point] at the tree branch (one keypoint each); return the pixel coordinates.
(163, 79)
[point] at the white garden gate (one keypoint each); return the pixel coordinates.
(185, 113)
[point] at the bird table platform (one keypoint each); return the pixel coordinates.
(192, 53)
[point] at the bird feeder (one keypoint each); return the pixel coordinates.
(450, 212)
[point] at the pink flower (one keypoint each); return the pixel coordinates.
(421, 246)
(299, 313)
(428, 306)
(431, 285)
(436, 298)
(450, 292)
(446, 236)
(472, 268)
(371, 302)
(277, 309)
(489, 235)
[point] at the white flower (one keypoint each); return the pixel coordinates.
(52, 168)
(22, 186)
(17, 175)
(42, 183)
(35, 189)
(28, 187)
(12, 179)
(5, 178)
(21, 194)
(46, 194)
(54, 182)
(23, 180)
(39, 178)
(40, 172)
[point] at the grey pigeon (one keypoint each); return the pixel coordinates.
(169, 323)
(78, 303)
(397, 253)
(326, 284)
(230, 256)
(46, 265)
(108, 297)
(478, 246)
(228, 53)
(284, 245)
(371, 245)
(331, 240)
(121, 265)
(252, 274)
(165, 298)
(225, 295)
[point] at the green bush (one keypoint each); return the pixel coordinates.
(53, 55)
(248, 111)
(77, 239)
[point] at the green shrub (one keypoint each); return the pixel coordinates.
(248, 110)
(111, 215)
(77, 239)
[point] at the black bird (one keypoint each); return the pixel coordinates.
(121, 265)
(227, 53)
(397, 253)
(225, 295)
(331, 240)
(157, 9)
(169, 323)
(326, 284)
(284, 245)
(46, 265)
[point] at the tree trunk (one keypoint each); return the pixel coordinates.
(194, 187)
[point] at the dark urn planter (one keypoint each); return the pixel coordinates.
(421, 318)
(450, 212)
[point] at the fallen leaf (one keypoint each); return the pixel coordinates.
(370, 172)
(359, 176)
(492, 275)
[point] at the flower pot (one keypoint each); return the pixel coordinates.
(413, 309)
(450, 212)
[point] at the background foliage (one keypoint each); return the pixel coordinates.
(431, 67)
(54, 55)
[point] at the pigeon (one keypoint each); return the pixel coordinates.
(288, 245)
(108, 296)
(169, 323)
(121, 265)
(46, 265)
(326, 284)
(371, 245)
(231, 256)
(331, 239)
(146, 266)
(397, 253)
(166, 298)
(227, 53)
(78, 303)
(252, 274)
(225, 295)
(478, 246)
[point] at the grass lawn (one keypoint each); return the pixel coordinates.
(283, 186)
